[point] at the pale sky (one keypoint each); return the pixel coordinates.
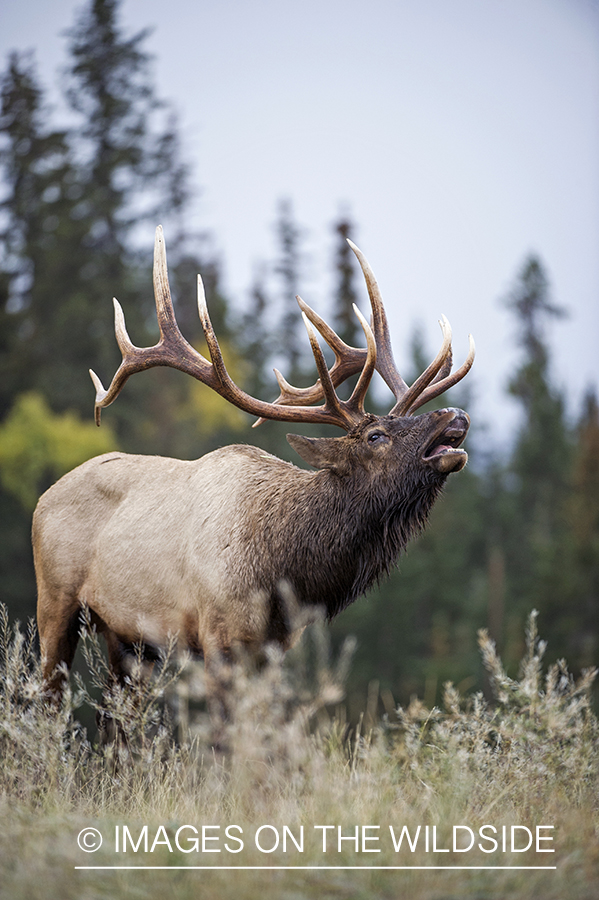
(460, 134)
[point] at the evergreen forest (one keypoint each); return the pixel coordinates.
(512, 534)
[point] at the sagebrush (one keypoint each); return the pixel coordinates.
(527, 758)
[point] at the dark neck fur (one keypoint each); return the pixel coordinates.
(346, 538)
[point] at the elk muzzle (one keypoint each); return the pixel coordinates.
(442, 451)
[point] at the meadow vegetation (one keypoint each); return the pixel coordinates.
(528, 757)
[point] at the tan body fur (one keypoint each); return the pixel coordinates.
(194, 582)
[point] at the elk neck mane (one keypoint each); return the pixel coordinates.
(350, 519)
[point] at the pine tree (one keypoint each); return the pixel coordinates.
(542, 450)
(72, 205)
(583, 539)
(257, 339)
(288, 268)
(533, 505)
(345, 320)
(133, 165)
(40, 227)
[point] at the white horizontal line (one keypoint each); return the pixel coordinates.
(361, 868)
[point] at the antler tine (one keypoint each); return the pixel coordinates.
(171, 350)
(445, 368)
(346, 411)
(356, 401)
(127, 348)
(435, 380)
(442, 384)
(348, 361)
(162, 289)
(212, 341)
(407, 401)
(385, 362)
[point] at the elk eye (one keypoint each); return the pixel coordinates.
(376, 436)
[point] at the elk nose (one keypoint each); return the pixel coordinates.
(461, 419)
(456, 417)
(453, 409)
(459, 413)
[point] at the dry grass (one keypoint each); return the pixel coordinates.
(530, 759)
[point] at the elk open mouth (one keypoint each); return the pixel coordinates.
(443, 451)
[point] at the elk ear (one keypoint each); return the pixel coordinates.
(322, 453)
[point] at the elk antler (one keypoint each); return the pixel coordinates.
(174, 351)
(435, 380)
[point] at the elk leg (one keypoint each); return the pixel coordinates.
(116, 655)
(219, 673)
(58, 625)
(108, 730)
(121, 660)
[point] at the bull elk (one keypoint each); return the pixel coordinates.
(212, 549)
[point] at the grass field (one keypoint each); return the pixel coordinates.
(523, 768)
